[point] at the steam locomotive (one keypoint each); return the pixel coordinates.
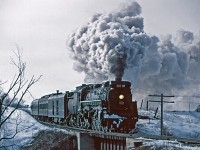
(103, 107)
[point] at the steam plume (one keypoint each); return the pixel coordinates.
(110, 43)
(115, 45)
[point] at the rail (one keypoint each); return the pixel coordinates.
(115, 141)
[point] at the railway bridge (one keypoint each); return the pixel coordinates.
(120, 141)
(107, 141)
(99, 140)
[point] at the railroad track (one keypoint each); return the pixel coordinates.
(140, 136)
(74, 130)
(71, 130)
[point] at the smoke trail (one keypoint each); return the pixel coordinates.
(191, 45)
(110, 43)
(115, 45)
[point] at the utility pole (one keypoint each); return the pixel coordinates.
(161, 117)
(141, 104)
(147, 105)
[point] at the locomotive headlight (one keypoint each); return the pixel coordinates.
(121, 96)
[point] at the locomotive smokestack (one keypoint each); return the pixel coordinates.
(57, 92)
(118, 79)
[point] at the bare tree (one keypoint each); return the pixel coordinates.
(19, 87)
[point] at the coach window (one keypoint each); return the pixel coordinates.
(46, 106)
(53, 107)
(57, 107)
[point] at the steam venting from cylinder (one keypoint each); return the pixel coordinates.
(115, 45)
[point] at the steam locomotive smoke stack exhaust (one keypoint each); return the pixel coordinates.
(118, 79)
(57, 92)
(115, 45)
(109, 44)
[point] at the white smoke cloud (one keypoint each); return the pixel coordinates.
(115, 45)
(191, 45)
(110, 44)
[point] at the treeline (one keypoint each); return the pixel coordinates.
(6, 100)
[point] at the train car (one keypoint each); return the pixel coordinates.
(43, 108)
(57, 107)
(34, 108)
(107, 106)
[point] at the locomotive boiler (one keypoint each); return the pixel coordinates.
(103, 107)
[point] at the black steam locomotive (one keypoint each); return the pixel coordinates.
(102, 107)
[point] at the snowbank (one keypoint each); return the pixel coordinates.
(24, 124)
(181, 124)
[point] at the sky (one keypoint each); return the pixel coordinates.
(42, 29)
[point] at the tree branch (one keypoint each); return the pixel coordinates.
(20, 87)
(32, 81)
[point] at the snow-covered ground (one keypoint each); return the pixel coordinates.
(166, 145)
(21, 122)
(180, 124)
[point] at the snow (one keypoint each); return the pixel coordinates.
(24, 124)
(168, 145)
(180, 124)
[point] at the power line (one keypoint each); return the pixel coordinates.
(187, 102)
(149, 93)
(194, 96)
(161, 101)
